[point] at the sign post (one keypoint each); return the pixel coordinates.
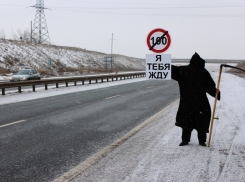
(158, 66)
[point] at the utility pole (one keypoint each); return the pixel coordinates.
(31, 32)
(111, 44)
(111, 51)
(109, 59)
(40, 29)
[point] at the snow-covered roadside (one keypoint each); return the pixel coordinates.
(5, 78)
(154, 154)
(14, 96)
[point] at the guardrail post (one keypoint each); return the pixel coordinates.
(57, 85)
(96, 80)
(75, 83)
(46, 86)
(117, 78)
(33, 88)
(89, 81)
(19, 89)
(102, 80)
(83, 82)
(3, 91)
(66, 84)
(107, 79)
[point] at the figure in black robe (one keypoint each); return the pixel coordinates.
(194, 110)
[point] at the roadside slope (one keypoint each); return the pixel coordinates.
(15, 55)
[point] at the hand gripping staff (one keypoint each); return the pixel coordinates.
(216, 96)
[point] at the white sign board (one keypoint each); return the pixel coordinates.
(158, 66)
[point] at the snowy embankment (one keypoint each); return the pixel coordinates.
(16, 55)
(154, 153)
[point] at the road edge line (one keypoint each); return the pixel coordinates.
(98, 156)
(9, 124)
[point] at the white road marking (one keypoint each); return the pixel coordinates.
(12, 123)
(112, 97)
(150, 87)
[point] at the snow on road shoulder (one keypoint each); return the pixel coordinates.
(229, 139)
(154, 153)
(14, 96)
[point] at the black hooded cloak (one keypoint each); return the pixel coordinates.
(194, 82)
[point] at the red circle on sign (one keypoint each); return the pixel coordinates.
(149, 38)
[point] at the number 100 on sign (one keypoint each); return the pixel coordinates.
(159, 40)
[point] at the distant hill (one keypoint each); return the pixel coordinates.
(15, 55)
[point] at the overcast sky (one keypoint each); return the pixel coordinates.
(214, 29)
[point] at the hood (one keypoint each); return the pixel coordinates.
(19, 76)
(197, 61)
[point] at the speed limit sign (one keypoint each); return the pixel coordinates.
(158, 40)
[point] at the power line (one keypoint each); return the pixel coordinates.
(153, 8)
(11, 5)
(155, 14)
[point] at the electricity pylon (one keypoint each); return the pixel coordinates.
(40, 30)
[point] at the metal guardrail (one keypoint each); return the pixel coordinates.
(56, 81)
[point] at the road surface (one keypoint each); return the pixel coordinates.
(42, 139)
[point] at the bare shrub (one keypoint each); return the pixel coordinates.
(4, 71)
(2, 34)
(46, 73)
(24, 36)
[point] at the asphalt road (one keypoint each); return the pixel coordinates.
(53, 135)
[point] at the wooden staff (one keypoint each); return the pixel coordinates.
(216, 96)
(215, 102)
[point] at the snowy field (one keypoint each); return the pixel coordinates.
(154, 154)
